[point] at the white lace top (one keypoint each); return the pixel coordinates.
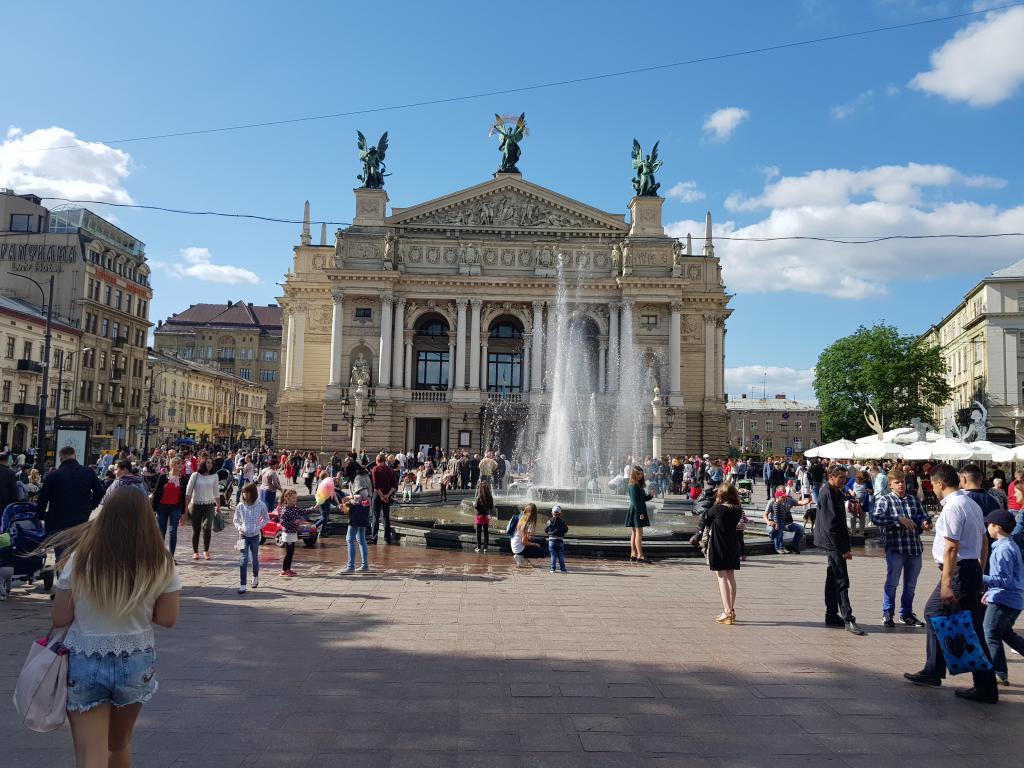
(96, 634)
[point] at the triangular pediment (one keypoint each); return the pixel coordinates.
(508, 204)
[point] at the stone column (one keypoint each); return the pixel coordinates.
(674, 340)
(410, 432)
(613, 347)
(474, 344)
(289, 350)
(482, 367)
(709, 356)
(536, 356)
(720, 359)
(460, 345)
(337, 326)
(384, 356)
(527, 381)
(602, 365)
(300, 341)
(408, 359)
(397, 346)
(451, 365)
(549, 344)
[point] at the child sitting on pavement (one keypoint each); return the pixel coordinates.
(1005, 595)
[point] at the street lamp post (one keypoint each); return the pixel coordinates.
(44, 396)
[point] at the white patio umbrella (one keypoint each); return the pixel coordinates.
(877, 449)
(945, 449)
(838, 449)
(988, 451)
(898, 435)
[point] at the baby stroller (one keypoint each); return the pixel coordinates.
(226, 483)
(21, 534)
(745, 489)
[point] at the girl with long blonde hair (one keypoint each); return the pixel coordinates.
(522, 545)
(117, 580)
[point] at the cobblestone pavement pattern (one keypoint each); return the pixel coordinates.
(457, 659)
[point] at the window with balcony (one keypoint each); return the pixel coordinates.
(431, 369)
(245, 373)
(26, 350)
(504, 372)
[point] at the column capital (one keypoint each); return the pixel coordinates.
(337, 295)
(400, 301)
(709, 317)
(409, 336)
(461, 302)
(628, 301)
(387, 299)
(538, 305)
(676, 306)
(476, 303)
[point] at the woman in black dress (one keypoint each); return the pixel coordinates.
(723, 547)
(637, 518)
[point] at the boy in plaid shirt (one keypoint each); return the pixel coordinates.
(900, 518)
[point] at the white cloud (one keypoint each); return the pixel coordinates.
(769, 171)
(757, 380)
(821, 204)
(838, 186)
(720, 125)
(982, 63)
(848, 109)
(197, 264)
(686, 192)
(91, 171)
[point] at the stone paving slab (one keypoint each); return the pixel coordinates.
(458, 659)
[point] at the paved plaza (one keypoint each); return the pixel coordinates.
(457, 659)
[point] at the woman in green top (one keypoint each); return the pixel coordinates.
(637, 518)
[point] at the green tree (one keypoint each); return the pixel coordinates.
(900, 377)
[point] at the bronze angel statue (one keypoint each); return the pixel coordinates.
(645, 167)
(510, 138)
(372, 159)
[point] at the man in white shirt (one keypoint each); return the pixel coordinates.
(960, 550)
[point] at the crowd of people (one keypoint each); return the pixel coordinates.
(113, 529)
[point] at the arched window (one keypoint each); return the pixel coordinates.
(505, 330)
(432, 327)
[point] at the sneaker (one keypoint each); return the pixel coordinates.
(921, 678)
(485, 549)
(477, 549)
(290, 572)
(343, 571)
(780, 551)
(552, 570)
(241, 589)
(853, 629)
(887, 620)
(911, 620)
(520, 560)
(1002, 681)
(564, 570)
(254, 583)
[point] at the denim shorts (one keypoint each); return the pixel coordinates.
(117, 679)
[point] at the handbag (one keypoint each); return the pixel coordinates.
(959, 643)
(41, 693)
(218, 522)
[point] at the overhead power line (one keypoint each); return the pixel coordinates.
(838, 239)
(541, 86)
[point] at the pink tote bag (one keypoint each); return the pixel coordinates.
(41, 694)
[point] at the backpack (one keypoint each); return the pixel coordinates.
(510, 529)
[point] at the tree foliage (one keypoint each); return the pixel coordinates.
(877, 366)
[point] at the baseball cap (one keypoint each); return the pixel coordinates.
(556, 510)
(1002, 518)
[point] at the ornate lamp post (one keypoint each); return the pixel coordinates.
(358, 419)
(662, 420)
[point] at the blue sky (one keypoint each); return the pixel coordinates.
(914, 131)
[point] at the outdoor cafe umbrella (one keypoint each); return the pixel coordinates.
(946, 449)
(988, 451)
(838, 449)
(877, 449)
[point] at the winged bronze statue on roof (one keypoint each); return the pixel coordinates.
(372, 158)
(510, 138)
(645, 167)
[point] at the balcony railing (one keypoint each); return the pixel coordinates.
(26, 409)
(116, 374)
(30, 366)
(506, 397)
(120, 341)
(429, 396)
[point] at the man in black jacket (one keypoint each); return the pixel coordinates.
(8, 482)
(69, 494)
(832, 535)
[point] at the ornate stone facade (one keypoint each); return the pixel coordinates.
(445, 307)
